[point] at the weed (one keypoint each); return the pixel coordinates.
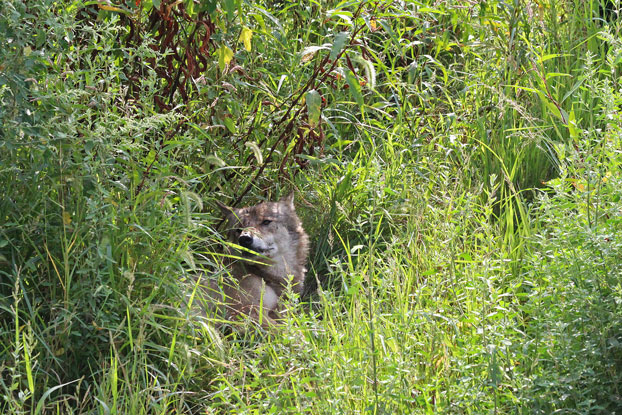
(458, 171)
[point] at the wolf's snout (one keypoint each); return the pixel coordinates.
(245, 240)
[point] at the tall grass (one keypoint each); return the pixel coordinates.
(456, 166)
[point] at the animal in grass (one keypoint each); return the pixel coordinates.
(268, 252)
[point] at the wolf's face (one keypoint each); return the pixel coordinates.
(268, 229)
(273, 246)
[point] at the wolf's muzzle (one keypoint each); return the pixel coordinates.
(245, 240)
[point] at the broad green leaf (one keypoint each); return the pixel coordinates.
(224, 56)
(269, 16)
(342, 14)
(229, 6)
(245, 37)
(355, 88)
(206, 6)
(314, 107)
(230, 125)
(190, 8)
(150, 158)
(340, 40)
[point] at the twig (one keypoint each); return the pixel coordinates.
(320, 70)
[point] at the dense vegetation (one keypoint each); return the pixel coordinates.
(456, 164)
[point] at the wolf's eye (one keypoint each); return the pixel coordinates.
(266, 222)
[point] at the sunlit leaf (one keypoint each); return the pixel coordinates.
(345, 15)
(314, 107)
(572, 125)
(230, 124)
(245, 37)
(225, 55)
(109, 8)
(112, 8)
(373, 25)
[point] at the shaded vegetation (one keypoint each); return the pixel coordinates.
(457, 165)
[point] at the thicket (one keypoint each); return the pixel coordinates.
(457, 165)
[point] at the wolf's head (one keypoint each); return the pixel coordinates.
(270, 230)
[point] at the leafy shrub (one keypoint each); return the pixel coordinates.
(415, 133)
(574, 272)
(81, 239)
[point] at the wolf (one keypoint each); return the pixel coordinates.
(267, 252)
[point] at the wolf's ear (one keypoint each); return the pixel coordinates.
(288, 200)
(226, 210)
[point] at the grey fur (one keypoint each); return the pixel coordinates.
(269, 248)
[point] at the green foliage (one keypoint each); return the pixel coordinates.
(456, 165)
(83, 251)
(574, 274)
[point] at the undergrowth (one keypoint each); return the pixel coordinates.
(456, 165)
